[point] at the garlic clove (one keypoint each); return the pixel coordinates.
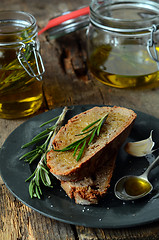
(140, 148)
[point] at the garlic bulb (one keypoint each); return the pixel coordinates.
(140, 148)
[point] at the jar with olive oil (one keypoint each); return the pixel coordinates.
(123, 43)
(21, 66)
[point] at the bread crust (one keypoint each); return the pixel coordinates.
(91, 159)
(91, 189)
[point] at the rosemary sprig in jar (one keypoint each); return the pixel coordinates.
(10, 81)
(41, 175)
(89, 132)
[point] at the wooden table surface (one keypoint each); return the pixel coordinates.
(66, 82)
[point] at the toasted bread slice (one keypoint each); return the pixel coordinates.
(115, 130)
(91, 189)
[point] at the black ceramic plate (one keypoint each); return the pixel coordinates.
(110, 212)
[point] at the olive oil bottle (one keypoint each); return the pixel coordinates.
(20, 92)
(123, 43)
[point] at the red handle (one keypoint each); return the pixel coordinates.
(56, 21)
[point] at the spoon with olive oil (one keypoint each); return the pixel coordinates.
(133, 187)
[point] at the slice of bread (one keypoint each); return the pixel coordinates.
(112, 135)
(91, 189)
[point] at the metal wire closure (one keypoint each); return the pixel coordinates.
(151, 45)
(38, 60)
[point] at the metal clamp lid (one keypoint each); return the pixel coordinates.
(31, 48)
(152, 44)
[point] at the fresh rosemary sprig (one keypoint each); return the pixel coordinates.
(41, 175)
(89, 134)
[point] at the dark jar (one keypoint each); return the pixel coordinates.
(21, 66)
(123, 42)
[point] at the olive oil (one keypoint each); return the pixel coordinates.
(135, 186)
(124, 66)
(20, 93)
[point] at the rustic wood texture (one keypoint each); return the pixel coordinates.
(67, 81)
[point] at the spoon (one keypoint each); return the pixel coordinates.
(133, 187)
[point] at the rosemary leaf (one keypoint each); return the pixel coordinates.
(31, 187)
(44, 169)
(37, 191)
(37, 178)
(81, 151)
(101, 124)
(47, 178)
(31, 176)
(29, 154)
(44, 133)
(42, 176)
(33, 158)
(86, 132)
(27, 160)
(76, 149)
(71, 146)
(55, 118)
(90, 125)
(34, 141)
(92, 136)
(40, 190)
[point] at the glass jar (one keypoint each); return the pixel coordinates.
(123, 42)
(21, 66)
